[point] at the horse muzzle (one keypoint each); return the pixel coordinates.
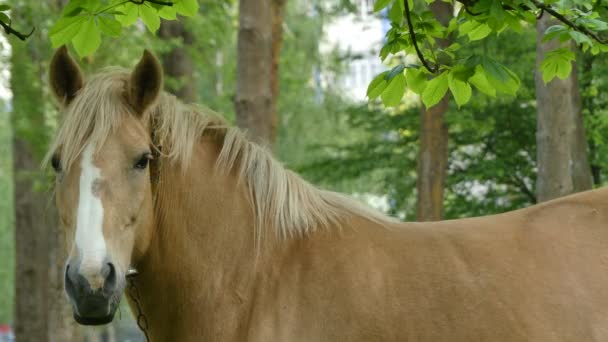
(93, 305)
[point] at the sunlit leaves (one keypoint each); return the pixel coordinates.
(88, 38)
(557, 63)
(84, 22)
(478, 21)
(435, 90)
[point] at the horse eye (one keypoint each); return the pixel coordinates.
(143, 161)
(56, 163)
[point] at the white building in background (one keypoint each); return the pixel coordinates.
(357, 37)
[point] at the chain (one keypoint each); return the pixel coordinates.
(142, 321)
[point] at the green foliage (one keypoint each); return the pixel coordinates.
(84, 22)
(491, 157)
(456, 67)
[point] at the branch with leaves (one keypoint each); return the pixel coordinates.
(6, 24)
(83, 22)
(415, 31)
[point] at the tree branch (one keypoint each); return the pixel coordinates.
(163, 3)
(432, 69)
(9, 30)
(543, 8)
(567, 21)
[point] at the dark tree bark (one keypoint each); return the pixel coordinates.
(563, 166)
(177, 63)
(433, 154)
(41, 311)
(253, 102)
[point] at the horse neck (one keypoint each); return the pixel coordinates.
(204, 242)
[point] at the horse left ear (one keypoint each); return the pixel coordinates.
(146, 83)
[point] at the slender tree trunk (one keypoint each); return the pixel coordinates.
(433, 154)
(41, 311)
(177, 63)
(253, 102)
(32, 247)
(563, 165)
(278, 13)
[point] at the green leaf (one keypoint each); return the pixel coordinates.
(168, 12)
(4, 18)
(435, 90)
(396, 12)
(479, 32)
(395, 90)
(186, 8)
(580, 38)
(460, 89)
(65, 29)
(494, 69)
(380, 4)
(150, 17)
(74, 7)
(395, 71)
(88, 39)
(110, 26)
(416, 80)
(480, 81)
(377, 85)
(130, 13)
(557, 63)
(4, 7)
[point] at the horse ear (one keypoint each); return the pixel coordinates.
(146, 82)
(65, 76)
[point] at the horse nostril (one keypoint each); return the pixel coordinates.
(109, 273)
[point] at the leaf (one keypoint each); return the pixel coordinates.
(4, 7)
(150, 17)
(557, 63)
(580, 38)
(65, 29)
(494, 69)
(435, 90)
(396, 12)
(168, 12)
(460, 89)
(480, 81)
(186, 8)
(395, 71)
(130, 13)
(377, 85)
(380, 4)
(74, 7)
(110, 26)
(479, 32)
(4, 18)
(416, 80)
(395, 90)
(88, 38)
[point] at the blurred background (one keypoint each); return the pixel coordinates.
(324, 128)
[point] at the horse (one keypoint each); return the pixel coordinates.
(228, 245)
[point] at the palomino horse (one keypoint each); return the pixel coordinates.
(230, 246)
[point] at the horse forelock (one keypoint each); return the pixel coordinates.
(280, 198)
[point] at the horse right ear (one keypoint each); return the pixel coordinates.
(65, 76)
(146, 83)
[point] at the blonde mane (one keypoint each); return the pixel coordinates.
(279, 197)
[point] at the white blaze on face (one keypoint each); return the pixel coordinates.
(89, 221)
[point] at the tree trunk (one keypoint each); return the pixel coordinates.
(253, 102)
(278, 12)
(32, 248)
(433, 154)
(41, 311)
(563, 166)
(177, 63)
